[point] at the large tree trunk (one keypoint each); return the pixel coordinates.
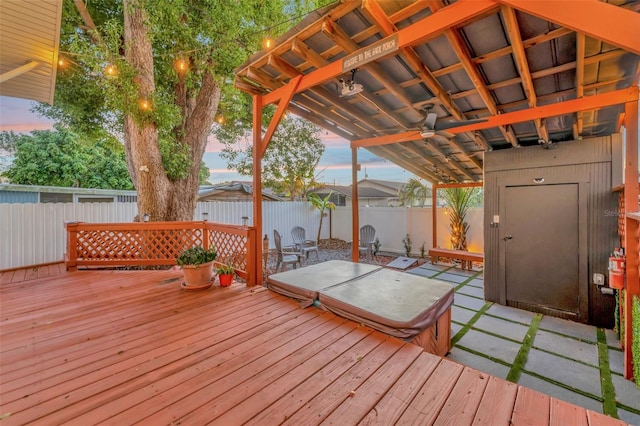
(158, 196)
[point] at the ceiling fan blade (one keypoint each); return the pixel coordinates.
(452, 124)
(430, 121)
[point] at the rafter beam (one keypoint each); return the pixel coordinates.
(522, 65)
(602, 21)
(416, 33)
(413, 59)
(567, 107)
(283, 105)
(423, 172)
(450, 157)
(580, 52)
(349, 46)
(411, 147)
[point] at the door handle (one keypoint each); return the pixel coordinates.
(507, 237)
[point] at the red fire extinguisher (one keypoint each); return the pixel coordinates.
(616, 272)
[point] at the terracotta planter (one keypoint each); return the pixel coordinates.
(225, 280)
(197, 277)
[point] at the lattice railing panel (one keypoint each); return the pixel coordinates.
(159, 243)
(162, 244)
(232, 248)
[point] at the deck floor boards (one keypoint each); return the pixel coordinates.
(126, 347)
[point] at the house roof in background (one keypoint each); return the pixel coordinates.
(551, 71)
(232, 190)
(29, 36)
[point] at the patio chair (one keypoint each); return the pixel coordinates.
(287, 254)
(367, 236)
(301, 243)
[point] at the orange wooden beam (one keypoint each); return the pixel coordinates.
(257, 184)
(567, 107)
(283, 105)
(416, 33)
(355, 208)
(631, 226)
(602, 21)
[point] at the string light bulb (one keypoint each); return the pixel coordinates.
(267, 43)
(220, 119)
(111, 70)
(181, 66)
(144, 105)
(61, 62)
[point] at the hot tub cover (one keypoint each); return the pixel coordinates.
(303, 284)
(394, 302)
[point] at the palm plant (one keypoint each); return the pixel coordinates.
(458, 202)
(414, 193)
(321, 204)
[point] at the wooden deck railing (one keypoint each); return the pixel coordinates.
(159, 243)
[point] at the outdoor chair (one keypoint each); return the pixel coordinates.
(367, 236)
(301, 243)
(287, 255)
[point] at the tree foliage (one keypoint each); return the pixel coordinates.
(414, 193)
(290, 161)
(60, 158)
(152, 73)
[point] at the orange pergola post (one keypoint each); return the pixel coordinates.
(355, 208)
(257, 185)
(631, 229)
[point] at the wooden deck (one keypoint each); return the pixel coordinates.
(126, 347)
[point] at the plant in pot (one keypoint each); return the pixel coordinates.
(225, 274)
(197, 267)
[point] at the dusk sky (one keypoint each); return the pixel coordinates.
(334, 167)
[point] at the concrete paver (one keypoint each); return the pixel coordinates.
(566, 346)
(502, 327)
(571, 373)
(496, 347)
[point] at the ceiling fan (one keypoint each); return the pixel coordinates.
(350, 87)
(429, 125)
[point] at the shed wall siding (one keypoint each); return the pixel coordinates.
(571, 161)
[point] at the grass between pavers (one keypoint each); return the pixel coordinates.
(523, 353)
(467, 281)
(606, 384)
(460, 334)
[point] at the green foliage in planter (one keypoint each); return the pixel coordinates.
(196, 256)
(406, 241)
(376, 246)
(225, 270)
(635, 343)
(422, 250)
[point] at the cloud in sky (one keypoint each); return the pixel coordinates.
(334, 166)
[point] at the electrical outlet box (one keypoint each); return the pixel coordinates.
(606, 290)
(598, 279)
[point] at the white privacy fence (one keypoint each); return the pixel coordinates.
(394, 223)
(32, 234)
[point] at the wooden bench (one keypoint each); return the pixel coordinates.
(466, 257)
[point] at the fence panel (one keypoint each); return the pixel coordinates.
(394, 223)
(31, 234)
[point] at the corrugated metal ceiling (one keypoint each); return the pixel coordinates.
(497, 61)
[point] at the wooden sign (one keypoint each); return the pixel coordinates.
(370, 53)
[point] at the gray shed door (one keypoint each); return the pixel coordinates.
(541, 248)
